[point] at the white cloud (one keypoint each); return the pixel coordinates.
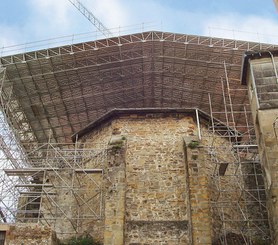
(8, 36)
(60, 17)
(112, 13)
(154, 14)
(54, 18)
(49, 17)
(250, 28)
(8, 39)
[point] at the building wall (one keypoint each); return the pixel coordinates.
(160, 184)
(160, 190)
(153, 185)
(156, 200)
(263, 91)
(27, 234)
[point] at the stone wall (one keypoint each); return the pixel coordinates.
(28, 234)
(262, 88)
(155, 200)
(115, 196)
(265, 83)
(168, 185)
(155, 178)
(215, 187)
(156, 187)
(65, 208)
(198, 181)
(167, 190)
(268, 148)
(74, 202)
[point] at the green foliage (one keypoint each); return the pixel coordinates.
(193, 144)
(82, 240)
(117, 144)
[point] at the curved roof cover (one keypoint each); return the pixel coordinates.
(59, 91)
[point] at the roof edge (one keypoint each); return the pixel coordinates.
(252, 55)
(117, 112)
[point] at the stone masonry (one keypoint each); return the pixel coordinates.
(156, 185)
(263, 90)
(160, 184)
(28, 234)
(158, 189)
(155, 203)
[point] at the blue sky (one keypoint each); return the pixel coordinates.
(24, 21)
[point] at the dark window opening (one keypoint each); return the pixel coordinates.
(2, 237)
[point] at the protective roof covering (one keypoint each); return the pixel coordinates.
(58, 91)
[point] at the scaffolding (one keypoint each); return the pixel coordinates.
(239, 197)
(62, 187)
(48, 183)
(52, 93)
(10, 151)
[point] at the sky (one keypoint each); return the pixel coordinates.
(28, 21)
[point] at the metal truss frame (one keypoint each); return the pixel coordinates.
(151, 36)
(93, 19)
(64, 89)
(58, 91)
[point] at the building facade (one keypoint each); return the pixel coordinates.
(102, 143)
(260, 76)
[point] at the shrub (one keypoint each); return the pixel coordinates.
(82, 240)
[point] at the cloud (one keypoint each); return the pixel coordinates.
(60, 17)
(9, 36)
(112, 13)
(250, 28)
(151, 14)
(46, 19)
(49, 17)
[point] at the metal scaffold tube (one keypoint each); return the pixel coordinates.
(240, 201)
(11, 156)
(59, 172)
